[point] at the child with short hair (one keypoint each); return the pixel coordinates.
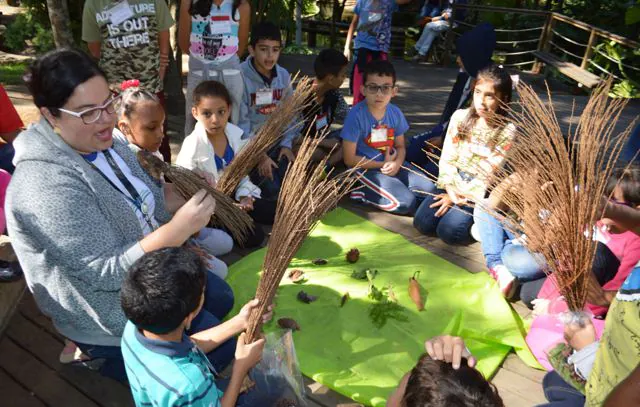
(213, 145)
(162, 295)
(473, 147)
(266, 84)
(214, 33)
(442, 379)
(131, 40)
(374, 131)
(328, 104)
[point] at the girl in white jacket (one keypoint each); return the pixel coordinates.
(214, 143)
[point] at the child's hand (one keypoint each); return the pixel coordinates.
(578, 336)
(285, 151)
(247, 309)
(451, 349)
(266, 166)
(246, 203)
(540, 307)
(390, 168)
(248, 355)
(444, 202)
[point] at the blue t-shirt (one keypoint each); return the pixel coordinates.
(374, 24)
(163, 373)
(360, 122)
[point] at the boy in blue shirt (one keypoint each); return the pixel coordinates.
(374, 130)
(266, 84)
(161, 296)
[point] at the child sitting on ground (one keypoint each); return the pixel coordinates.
(328, 105)
(473, 147)
(445, 376)
(140, 120)
(212, 146)
(266, 84)
(374, 130)
(161, 296)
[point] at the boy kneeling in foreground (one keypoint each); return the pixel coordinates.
(161, 295)
(445, 376)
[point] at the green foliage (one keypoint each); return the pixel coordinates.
(298, 50)
(12, 72)
(621, 61)
(18, 32)
(633, 15)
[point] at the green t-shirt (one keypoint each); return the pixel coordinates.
(129, 48)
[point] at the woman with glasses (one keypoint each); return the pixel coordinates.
(81, 211)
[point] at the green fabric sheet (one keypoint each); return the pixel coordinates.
(341, 348)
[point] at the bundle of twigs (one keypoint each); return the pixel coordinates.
(554, 184)
(286, 117)
(307, 194)
(188, 183)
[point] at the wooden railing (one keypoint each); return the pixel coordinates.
(573, 40)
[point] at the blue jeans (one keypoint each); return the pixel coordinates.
(560, 393)
(430, 33)
(429, 10)
(453, 227)
(416, 147)
(399, 194)
(266, 391)
(498, 249)
(217, 304)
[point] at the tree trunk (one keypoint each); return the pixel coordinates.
(59, 17)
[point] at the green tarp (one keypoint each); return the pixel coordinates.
(341, 348)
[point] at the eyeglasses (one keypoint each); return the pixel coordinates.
(384, 89)
(615, 201)
(93, 114)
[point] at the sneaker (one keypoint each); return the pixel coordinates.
(412, 52)
(506, 281)
(419, 58)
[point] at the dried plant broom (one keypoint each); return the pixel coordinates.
(188, 183)
(280, 121)
(307, 194)
(554, 184)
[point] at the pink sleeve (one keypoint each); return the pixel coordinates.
(549, 290)
(5, 177)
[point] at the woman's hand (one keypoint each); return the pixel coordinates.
(211, 180)
(194, 215)
(443, 202)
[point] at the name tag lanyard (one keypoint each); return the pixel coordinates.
(137, 200)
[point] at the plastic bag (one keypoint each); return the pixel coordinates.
(278, 374)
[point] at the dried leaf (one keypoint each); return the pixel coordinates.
(306, 298)
(288, 323)
(319, 262)
(353, 255)
(297, 276)
(344, 299)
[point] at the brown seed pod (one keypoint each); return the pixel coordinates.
(344, 299)
(414, 291)
(319, 262)
(306, 298)
(288, 323)
(353, 255)
(296, 276)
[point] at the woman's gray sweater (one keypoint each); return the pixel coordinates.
(74, 234)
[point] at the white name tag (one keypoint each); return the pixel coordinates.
(264, 97)
(321, 121)
(379, 135)
(374, 16)
(120, 13)
(220, 27)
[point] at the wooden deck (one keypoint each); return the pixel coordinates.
(30, 374)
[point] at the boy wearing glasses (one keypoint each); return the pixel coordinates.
(374, 131)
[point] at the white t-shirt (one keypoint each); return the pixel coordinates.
(148, 201)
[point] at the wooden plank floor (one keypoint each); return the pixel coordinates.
(30, 374)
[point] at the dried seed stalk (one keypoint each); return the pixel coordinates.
(188, 183)
(269, 134)
(306, 195)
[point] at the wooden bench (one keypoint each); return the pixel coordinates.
(573, 71)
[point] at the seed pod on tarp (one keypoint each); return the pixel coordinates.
(288, 323)
(414, 292)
